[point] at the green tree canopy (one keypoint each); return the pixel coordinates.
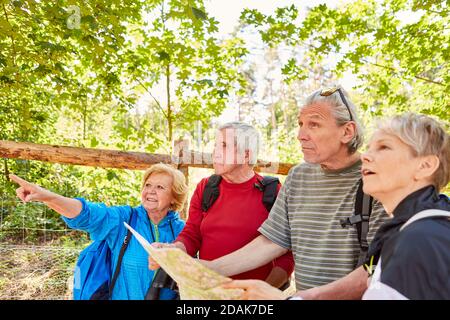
(81, 58)
(72, 73)
(399, 49)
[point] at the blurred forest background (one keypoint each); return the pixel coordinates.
(137, 75)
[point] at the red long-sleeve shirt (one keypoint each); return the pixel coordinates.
(229, 224)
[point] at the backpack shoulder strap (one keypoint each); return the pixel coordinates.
(270, 191)
(268, 185)
(430, 213)
(363, 230)
(211, 192)
(124, 247)
(360, 218)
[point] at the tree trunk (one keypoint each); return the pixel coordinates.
(169, 109)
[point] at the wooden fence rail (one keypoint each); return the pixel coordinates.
(183, 158)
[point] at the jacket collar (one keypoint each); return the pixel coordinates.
(170, 217)
(422, 199)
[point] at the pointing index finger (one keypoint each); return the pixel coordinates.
(18, 180)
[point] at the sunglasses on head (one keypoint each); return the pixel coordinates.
(330, 91)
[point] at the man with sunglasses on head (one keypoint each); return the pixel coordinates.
(307, 216)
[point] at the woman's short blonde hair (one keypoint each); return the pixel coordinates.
(179, 186)
(425, 136)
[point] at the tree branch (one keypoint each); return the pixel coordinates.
(393, 69)
(157, 102)
(129, 104)
(169, 109)
(390, 68)
(437, 12)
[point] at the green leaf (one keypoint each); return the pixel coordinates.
(111, 175)
(89, 20)
(17, 3)
(198, 14)
(94, 142)
(46, 44)
(162, 55)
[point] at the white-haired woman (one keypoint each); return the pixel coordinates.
(163, 192)
(406, 165)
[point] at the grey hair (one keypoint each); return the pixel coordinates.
(425, 136)
(246, 137)
(341, 114)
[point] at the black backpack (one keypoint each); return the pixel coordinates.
(360, 218)
(268, 186)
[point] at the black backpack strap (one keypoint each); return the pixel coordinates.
(171, 230)
(268, 185)
(270, 191)
(364, 228)
(124, 247)
(211, 192)
(360, 218)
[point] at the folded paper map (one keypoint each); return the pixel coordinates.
(195, 281)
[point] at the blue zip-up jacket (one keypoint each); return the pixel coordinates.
(106, 223)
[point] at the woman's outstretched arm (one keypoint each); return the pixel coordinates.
(27, 192)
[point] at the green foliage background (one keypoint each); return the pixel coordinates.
(73, 73)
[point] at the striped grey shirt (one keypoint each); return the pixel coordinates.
(306, 219)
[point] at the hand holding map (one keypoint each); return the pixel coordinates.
(195, 281)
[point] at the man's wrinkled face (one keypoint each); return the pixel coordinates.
(226, 157)
(319, 134)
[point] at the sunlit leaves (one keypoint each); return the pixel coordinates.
(399, 49)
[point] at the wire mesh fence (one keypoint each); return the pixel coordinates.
(36, 272)
(37, 252)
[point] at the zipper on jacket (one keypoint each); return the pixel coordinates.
(156, 232)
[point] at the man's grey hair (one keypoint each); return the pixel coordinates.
(246, 137)
(341, 114)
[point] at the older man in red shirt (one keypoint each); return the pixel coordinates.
(233, 219)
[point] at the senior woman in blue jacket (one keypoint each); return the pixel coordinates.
(163, 192)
